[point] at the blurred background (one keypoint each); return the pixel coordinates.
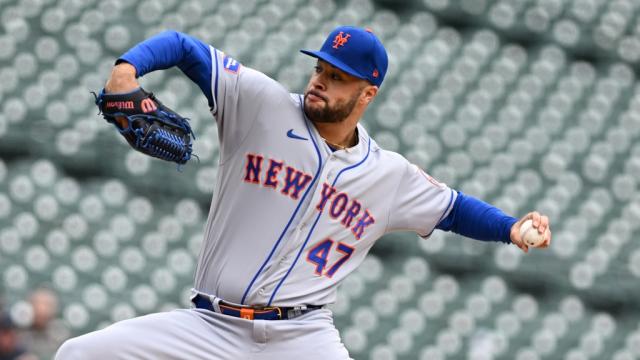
(527, 104)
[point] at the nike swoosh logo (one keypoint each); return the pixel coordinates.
(294, 136)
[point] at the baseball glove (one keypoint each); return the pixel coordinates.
(148, 125)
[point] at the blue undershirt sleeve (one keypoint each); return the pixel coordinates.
(478, 220)
(172, 48)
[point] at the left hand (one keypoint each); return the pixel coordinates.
(539, 222)
(148, 126)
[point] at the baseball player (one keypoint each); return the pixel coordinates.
(302, 194)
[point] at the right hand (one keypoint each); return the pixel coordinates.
(122, 79)
(539, 222)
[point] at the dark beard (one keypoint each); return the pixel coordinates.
(328, 114)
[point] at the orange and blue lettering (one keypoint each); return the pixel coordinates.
(353, 211)
(253, 168)
(346, 251)
(327, 192)
(338, 205)
(271, 178)
(296, 180)
(318, 255)
(365, 220)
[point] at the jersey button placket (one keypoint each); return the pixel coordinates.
(331, 167)
(311, 212)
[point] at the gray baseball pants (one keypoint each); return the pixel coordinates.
(202, 334)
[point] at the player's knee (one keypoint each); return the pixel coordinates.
(73, 349)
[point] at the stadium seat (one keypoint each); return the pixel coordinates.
(432, 353)
(449, 342)
(365, 319)
(432, 304)
(355, 340)
(478, 305)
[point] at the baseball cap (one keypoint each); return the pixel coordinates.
(355, 51)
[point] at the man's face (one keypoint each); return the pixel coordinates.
(331, 94)
(45, 305)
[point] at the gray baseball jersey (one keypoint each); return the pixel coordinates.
(290, 218)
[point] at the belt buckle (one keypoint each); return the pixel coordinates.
(249, 313)
(279, 312)
(277, 309)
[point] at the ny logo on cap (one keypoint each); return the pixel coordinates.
(340, 40)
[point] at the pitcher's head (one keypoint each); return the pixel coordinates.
(351, 66)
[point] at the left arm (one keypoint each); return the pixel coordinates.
(478, 220)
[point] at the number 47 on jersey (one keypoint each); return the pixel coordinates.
(319, 255)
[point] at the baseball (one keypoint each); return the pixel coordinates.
(530, 235)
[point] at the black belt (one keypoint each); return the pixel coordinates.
(253, 313)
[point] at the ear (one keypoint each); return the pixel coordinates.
(369, 93)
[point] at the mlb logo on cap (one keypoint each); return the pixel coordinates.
(340, 39)
(355, 51)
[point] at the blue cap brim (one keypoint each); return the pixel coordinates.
(333, 61)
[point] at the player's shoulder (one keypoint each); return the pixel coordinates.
(406, 171)
(392, 160)
(267, 87)
(257, 77)
(248, 78)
